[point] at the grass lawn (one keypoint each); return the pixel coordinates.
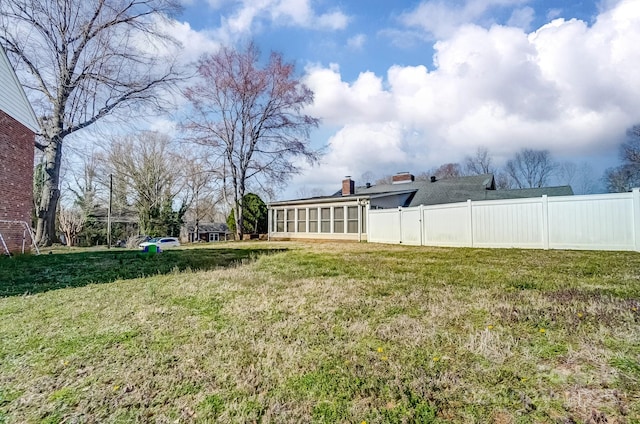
(326, 332)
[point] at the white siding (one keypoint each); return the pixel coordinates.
(13, 100)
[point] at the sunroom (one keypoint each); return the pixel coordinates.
(320, 218)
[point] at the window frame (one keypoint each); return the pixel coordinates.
(325, 220)
(352, 223)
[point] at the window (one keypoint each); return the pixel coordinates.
(338, 220)
(325, 220)
(291, 213)
(279, 220)
(352, 219)
(313, 220)
(302, 220)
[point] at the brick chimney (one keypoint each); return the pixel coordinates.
(348, 186)
(403, 177)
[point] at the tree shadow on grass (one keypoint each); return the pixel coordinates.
(30, 274)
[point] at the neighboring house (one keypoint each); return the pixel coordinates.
(343, 215)
(207, 232)
(18, 126)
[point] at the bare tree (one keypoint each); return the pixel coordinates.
(530, 168)
(306, 192)
(627, 175)
(480, 163)
(201, 193)
(85, 185)
(630, 150)
(71, 221)
(384, 180)
(446, 170)
(622, 178)
(368, 177)
(579, 177)
(80, 61)
(147, 164)
(502, 180)
(251, 118)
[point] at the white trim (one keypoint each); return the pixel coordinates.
(13, 99)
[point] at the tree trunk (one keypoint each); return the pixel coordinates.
(238, 217)
(46, 211)
(239, 200)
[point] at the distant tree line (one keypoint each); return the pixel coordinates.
(154, 188)
(528, 168)
(626, 176)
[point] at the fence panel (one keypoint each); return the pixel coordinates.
(592, 222)
(513, 223)
(597, 222)
(410, 226)
(384, 226)
(447, 225)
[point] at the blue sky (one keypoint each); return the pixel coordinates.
(410, 85)
(376, 35)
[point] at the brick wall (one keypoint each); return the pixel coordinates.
(16, 179)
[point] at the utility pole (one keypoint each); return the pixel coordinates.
(109, 211)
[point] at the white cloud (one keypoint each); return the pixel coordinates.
(193, 44)
(214, 4)
(522, 18)
(442, 18)
(297, 11)
(567, 87)
(349, 144)
(250, 15)
(357, 148)
(357, 41)
(339, 103)
(334, 20)
(553, 14)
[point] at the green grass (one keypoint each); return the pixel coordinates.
(325, 332)
(30, 274)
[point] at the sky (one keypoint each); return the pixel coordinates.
(409, 85)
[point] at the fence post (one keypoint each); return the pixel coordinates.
(636, 217)
(421, 221)
(545, 222)
(367, 223)
(470, 209)
(400, 222)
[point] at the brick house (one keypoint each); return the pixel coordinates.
(18, 126)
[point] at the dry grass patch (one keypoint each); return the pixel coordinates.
(335, 333)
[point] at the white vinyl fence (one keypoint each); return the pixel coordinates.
(593, 222)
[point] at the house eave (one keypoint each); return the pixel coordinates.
(311, 201)
(26, 115)
(340, 199)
